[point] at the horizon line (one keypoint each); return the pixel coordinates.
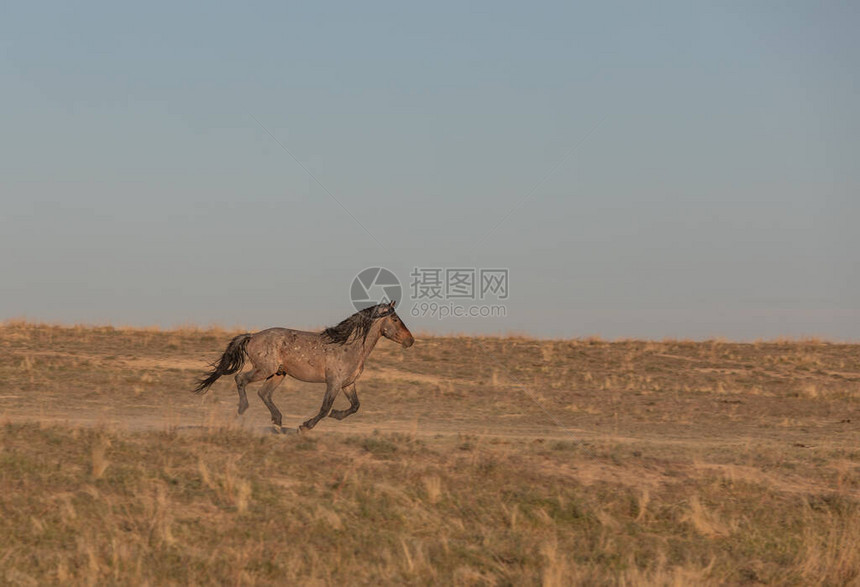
(521, 335)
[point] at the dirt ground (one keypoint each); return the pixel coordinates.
(797, 394)
(699, 399)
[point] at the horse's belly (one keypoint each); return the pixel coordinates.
(305, 371)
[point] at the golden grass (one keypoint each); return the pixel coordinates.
(224, 505)
(496, 461)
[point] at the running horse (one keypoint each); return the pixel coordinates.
(334, 356)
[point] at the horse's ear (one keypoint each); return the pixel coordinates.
(391, 305)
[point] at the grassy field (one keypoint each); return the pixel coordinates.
(472, 461)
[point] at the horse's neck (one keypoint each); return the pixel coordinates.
(366, 346)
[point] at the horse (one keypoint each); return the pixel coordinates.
(334, 356)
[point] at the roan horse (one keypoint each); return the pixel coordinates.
(334, 356)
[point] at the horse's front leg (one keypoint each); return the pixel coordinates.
(351, 394)
(332, 389)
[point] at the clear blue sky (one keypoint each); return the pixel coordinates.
(671, 169)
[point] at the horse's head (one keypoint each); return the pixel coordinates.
(393, 327)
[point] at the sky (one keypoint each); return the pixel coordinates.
(670, 169)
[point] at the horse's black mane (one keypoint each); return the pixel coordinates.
(355, 327)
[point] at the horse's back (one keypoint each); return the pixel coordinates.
(284, 337)
(288, 332)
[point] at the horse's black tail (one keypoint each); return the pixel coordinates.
(230, 362)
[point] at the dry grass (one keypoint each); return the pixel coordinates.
(223, 505)
(496, 461)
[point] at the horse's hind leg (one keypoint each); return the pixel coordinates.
(265, 394)
(351, 394)
(242, 380)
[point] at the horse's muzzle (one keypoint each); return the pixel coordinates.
(408, 342)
